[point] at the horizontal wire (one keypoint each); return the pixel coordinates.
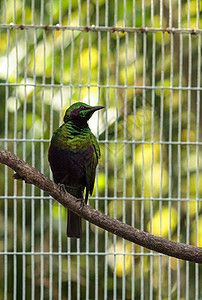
(103, 198)
(183, 143)
(81, 253)
(94, 28)
(59, 86)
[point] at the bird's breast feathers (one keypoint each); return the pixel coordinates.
(67, 139)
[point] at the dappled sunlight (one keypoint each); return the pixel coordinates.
(162, 223)
(197, 236)
(120, 262)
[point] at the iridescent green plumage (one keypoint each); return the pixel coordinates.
(73, 156)
(71, 137)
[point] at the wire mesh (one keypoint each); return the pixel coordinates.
(142, 61)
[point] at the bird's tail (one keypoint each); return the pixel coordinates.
(74, 227)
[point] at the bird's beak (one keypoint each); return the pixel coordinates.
(94, 108)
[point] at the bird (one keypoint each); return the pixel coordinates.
(73, 157)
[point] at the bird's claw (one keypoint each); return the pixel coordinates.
(82, 203)
(62, 188)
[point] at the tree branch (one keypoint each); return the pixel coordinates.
(147, 240)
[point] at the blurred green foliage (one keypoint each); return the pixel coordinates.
(41, 73)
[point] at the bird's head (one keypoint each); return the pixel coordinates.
(80, 111)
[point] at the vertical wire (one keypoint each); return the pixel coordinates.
(179, 146)
(124, 162)
(97, 14)
(106, 12)
(42, 136)
(115, 154)
(51, 132)
(33, 164)
(41, 205)
(78, 240)
(133, 151)
(152, 140)
(6, 176)
(87, 223)
(188, 148)
(70, 97)
(170, 146)
(170, 162)
(97, 171)
(161, 146)
(143, 140)
(124, 152)
(106, 159)
(97, 193)
(15, 183)
(42, 128)
(50, 135)
(24, 187)
(115, 180)
(78, 270)
(79, 11)
(161, 167)
(60, 121)
(71, 66)
(197, 150)
(80, 51)
(60, 12)
(60, 207)
(42, 209)
(115, 11)
(89, 100)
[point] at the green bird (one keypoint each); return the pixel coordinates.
(73, 156)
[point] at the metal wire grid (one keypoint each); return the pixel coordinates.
(58, 266)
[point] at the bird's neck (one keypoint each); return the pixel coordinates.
(79, 124)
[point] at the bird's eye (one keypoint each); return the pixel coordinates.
(82, 106)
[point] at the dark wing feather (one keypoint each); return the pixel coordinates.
(90, 169)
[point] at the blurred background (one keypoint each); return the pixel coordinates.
(149, 175)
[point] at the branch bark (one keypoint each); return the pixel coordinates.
(147, 240)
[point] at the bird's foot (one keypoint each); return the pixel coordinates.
(62, 188)
(82, 203)
(18, 177)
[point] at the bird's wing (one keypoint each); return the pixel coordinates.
(90, 166)
(96, 146)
